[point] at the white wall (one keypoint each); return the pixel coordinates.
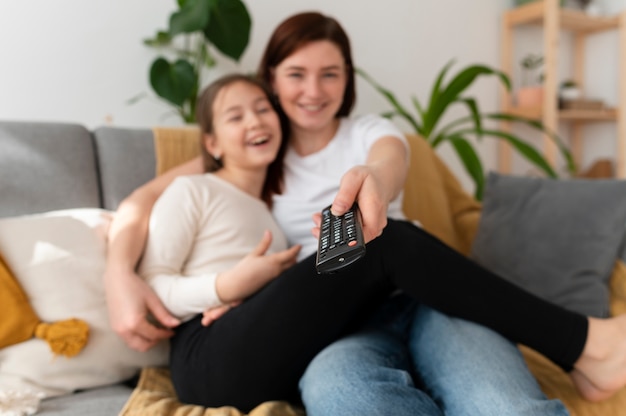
(80, 61)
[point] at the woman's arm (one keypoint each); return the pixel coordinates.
(130, 300)
(374, 184)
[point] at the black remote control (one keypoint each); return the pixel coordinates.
(341, 240)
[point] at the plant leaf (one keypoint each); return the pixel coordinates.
(436, 91)
(475, 117)
(160, 39)
(471, 162)
(192, 17)
(565, 152)
(399, 109)
(228, 27)
(417, 105)
(173, 82)
(452, 91)
(528, 151)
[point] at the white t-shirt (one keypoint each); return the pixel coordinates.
(200, 226)
(311, 182)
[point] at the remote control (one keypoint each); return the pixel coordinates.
(341, 240)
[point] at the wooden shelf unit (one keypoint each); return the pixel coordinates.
(548, 15)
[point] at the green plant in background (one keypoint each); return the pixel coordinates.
(426, 122)
(193, 29)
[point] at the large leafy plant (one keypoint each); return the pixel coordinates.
(194, 29)
(428, 120)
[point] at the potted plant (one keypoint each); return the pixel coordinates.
(568, 90)
(429, 114)
(194, 29)
(531, 92)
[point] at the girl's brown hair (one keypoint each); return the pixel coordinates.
(299, 30)
(205, 117)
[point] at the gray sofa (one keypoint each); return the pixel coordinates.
(53, 166)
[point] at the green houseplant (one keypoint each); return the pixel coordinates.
(429, 117)
(194, 29)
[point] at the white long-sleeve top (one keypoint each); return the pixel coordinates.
(199, 227)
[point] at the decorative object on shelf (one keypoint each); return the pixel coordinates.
(530, 94)
(602, 168)
(569, 90)
(457, 132)
(593, 8)
(582, 104)
(520, 2)
(196, 27)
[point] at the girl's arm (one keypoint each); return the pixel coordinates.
(129, 298)
(375, 184)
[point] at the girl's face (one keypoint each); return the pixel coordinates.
(310, 85)
(246, 129)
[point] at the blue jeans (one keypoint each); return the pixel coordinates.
(412, 360)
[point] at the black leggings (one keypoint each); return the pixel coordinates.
(258, 351)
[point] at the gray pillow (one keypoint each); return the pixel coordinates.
(557, 238)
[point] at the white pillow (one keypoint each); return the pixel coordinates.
(59, 259)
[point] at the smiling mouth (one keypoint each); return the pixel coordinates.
(311, 107)
(260, 140)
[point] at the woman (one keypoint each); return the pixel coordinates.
(312, 130)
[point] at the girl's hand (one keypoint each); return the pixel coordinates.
(213, 314)
(254, 271)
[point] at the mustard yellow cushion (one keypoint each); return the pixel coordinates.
(19, 320)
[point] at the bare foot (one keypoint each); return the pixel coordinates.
(587, 389)
(601, 369)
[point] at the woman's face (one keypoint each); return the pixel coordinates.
(246, 129)
(310, 85)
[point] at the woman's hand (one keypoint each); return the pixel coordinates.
(374, 185)
(130, 302)
(361, 184)
(254, 271)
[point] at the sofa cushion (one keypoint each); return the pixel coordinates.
(558, 239)
(126, 158)
(59, 260)
(46, 166)
(434, 197)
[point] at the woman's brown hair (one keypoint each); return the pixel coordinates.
(299, 30)
(205, 117)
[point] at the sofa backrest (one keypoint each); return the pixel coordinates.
(53, 166)
(46, 166)
(126, 159)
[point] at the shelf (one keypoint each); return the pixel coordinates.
(576, 20)
(536, 113)
(553, 20)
